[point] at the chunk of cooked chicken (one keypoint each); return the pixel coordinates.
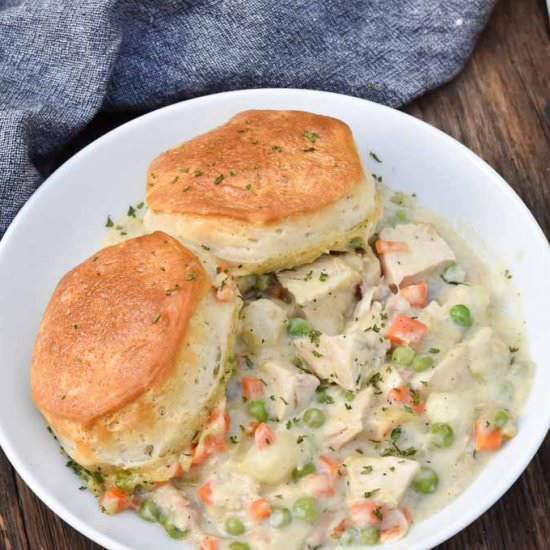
(292, 388)
(345, 419)
(384, 479)
(347, 359)
(424, 251)
(324, 289)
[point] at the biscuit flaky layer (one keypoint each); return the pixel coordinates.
(114, 327)
(259, 167)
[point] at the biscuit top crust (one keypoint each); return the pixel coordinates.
(260, 167)
(114, 327)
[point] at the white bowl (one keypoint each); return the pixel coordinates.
(64, 220)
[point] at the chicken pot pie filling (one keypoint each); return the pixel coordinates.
(367, 390)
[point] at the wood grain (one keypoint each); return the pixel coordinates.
(500, 108)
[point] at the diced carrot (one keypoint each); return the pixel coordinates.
(391, 532)
(416, 295)
(407, 514)
(383, 247)
(178, 472)
(209, 543)
(114, 500)
(320, 484)
(251, 428)
(252, 387)
(395, 525)
(216, 415)
(205, 493)
(487, 438)
(260, 509)
(209, 446)
(405, 330)
(367, 512)
(340, 528)
(263, 436)
(331, 465)
(403, 394)
(227, 290)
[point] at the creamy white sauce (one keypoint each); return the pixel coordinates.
(361, 423)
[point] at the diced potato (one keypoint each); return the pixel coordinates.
(451, 373)
(274, 463)
(426, 252)
(489, 355)
(231, 489)
(483, 355)
(263, 323)
(291, 387)
(455, 409)
(386, 478)
(264, 537)
(325, 290)
(344, 423)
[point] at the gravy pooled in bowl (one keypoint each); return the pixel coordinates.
(368, 389)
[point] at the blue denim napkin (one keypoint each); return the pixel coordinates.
(61, 61)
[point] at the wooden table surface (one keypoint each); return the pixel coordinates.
(500, 108)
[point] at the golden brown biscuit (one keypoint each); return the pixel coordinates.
(267, 190)
(130, 353)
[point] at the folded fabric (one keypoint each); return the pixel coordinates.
(61, 61)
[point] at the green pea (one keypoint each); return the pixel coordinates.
(314, 418)
(298, 327)
(461, 315)
(403, 355)
(443, 435)
(149, 510)
(422, 362)
(280, 517)
(301, 471)
(306, 509)
(426, 481)
(501, 418)
(257, 410)
(175, 532)
(234, 526)
(237, 545)
(369, 535)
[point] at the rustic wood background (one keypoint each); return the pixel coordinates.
(499, 106)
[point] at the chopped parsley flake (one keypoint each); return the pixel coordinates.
(156, 319)
(374, 156)
(368, 494)
(219, 179)
(109, 222)
(310, 136)
(191, 276)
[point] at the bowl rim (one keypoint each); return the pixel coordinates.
(63, 511)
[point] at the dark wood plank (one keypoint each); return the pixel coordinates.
(500, 108)
(12, 529)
